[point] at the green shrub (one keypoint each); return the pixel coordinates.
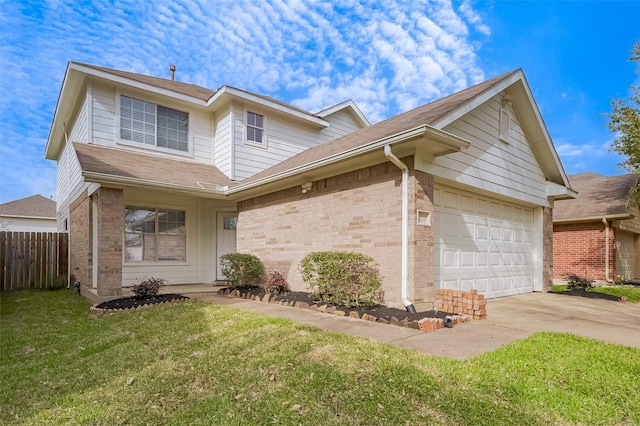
(275, 284)
(147, 288)
(350, 279)
(576, 282)
(241, 269)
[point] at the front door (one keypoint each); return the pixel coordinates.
(226, 238)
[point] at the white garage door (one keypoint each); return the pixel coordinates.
(482, 243)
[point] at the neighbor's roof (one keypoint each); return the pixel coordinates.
(103, 164)
(598, 197)
(426, 114)
(33, 206)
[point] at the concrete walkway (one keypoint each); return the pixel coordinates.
(508, 319)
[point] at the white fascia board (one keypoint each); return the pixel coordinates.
(455, 142)
(560, 192)
(249, 97)
(20, 216)
(620, 216)
(348, 104)
(477, 101)
(139, 85)
(68, 91)
(143, 183)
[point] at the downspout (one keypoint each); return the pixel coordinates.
(405, 226)
(607, 278)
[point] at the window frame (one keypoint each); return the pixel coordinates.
(263, 129)
(157, 233)
(154, 147)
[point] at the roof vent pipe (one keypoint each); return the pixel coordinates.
(172, 68)
(405, 226)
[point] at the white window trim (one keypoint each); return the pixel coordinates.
(144, 204)
(245, 124)
(147, 147)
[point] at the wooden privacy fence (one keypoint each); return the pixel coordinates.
(30, 260)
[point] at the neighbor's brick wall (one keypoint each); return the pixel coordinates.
(579, 248)
(110, 235)
(80, 239)
(358, 211)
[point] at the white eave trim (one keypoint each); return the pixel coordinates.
(249, 97)
(137, 84)
(21, 216)
(103, 178)
(348, 104)
(560, 192)
(620, 216)
(456, 143)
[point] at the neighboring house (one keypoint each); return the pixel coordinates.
(597, 235)
(30, 214)
(160, 178)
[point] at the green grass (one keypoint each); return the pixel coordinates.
(632, 293)
(198, 363)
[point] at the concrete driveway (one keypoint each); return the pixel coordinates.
(508, 319)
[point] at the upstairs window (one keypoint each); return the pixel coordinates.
(255, 127)
(152, 124)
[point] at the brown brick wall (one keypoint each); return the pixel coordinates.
(357, 211)
(110, 235)
(80, 239)
(579, 248)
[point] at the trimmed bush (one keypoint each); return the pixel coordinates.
(241, 269)
(350, 279)
(576, 282)
(275, 284)
(147, 288)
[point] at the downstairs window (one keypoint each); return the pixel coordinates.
(154, 234)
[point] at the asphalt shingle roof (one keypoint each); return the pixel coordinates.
(598, 196)
(35, 206)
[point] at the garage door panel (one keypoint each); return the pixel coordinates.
(482, 243)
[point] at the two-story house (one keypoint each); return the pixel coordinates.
(160, 178)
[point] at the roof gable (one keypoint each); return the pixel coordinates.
(598, 197)
(437, 115)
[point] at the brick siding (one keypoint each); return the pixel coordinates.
(357, 211)
(110, 235)
(80, 239)
(579, 248)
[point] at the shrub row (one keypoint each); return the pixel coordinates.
(350, 279)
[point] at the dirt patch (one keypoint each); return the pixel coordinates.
(589, 294)
(134, 302)
(379, 311)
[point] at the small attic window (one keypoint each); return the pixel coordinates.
(255, 127)
(505, 125)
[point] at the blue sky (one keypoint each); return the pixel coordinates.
(388, 56)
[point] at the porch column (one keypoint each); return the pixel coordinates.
(421, 273)
(110, 215)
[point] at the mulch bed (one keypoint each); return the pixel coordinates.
(134, 302)
(589, 294)
(379, 311)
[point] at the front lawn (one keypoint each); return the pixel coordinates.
(198, 363)
(632, 293)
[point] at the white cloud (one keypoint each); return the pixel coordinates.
(386, 56)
